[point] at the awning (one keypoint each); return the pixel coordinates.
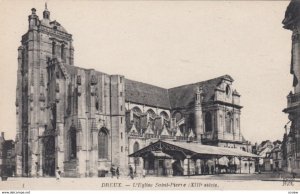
(195, 150)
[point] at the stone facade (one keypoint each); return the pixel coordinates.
(83, 121)
(292, 139)
(7, 157)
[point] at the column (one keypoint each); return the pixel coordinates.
(94, 154)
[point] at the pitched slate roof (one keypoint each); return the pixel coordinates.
(147, 94)
(183, 96)
(177, 97)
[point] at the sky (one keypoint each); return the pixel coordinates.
(168, 43)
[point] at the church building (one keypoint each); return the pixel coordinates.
(84, 121)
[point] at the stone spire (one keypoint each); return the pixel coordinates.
(46, 13)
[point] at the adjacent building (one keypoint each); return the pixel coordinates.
(270, 155)
(291, 147)
(2, 158)
(7, 157)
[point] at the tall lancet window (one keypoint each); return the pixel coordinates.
(53, 48)
(136, 147)
(228, 122)
(103, 144)
(62, 52)
(208, 122)
(73, 143)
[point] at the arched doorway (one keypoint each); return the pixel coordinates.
(49, 155)
(136, 147)
(73, 143)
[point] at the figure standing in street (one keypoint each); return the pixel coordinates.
(118, 172)
(131, 172)
(57, 173)
(112, 171)
(37, 169)
(144, 173)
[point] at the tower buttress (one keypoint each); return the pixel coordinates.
(32, 90)
(198, 114)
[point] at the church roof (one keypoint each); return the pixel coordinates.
(147, 94)
(177, 97)
(52, 24)
(182, 96)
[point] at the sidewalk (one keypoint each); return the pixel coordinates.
(223, 181)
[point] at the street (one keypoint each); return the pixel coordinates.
(214, 182)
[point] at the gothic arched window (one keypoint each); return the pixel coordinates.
(164, 115)
(97, 104)
(227, 90)
(228, 122)
(103, 144)
(62, 52)
(53, 48)
(137, 110)
(136, 117)
(237, 124)
(151, 113)
(178, 116)
(208, 122)
(136, 147)
(73, 143)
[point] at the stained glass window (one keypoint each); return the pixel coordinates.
(102, 144)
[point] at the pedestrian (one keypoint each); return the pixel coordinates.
(118, 172)
(144, 173)
(37, 169)
(57, 173)
(202, 169)
(112, 171)
(131, 172)
(207, 169)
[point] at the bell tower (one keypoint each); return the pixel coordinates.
(44, 41)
